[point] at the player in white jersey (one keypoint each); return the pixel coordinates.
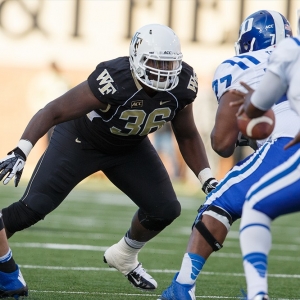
(277, 193)
(258, 35)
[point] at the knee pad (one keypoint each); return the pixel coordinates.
(219, 214)
(18, 216)
(200, 226)
(154, 223)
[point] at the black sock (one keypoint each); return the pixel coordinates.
(8, 266)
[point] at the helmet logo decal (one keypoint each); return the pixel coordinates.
(246, 26)
(136, 41)
(270, 26)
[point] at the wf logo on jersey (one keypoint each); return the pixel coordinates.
(105, 83)
(193, 83)
(136, 41)
(137, 103)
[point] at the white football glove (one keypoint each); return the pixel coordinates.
(12, 165)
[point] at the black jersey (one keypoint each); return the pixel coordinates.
(131, 113)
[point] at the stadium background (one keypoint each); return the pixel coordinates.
(78, 34)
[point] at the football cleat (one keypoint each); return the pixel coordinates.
(178, 291)
(13, 285)
(129, 266)
(140, 279)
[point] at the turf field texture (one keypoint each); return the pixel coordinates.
(61, 257)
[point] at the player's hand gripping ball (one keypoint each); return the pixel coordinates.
(257, 128)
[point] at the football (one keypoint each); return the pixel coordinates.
(257, 128)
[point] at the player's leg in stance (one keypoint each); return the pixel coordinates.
(12, 283)
(275, 194)
(139, 174)
(142, 177)
(222, 207)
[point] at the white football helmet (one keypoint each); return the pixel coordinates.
(155, 57)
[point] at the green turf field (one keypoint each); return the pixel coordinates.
(61, 257)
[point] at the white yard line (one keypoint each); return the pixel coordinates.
(135, 295)
(293, 276)
(150, 250)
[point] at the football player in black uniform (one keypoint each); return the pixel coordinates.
(102, 124)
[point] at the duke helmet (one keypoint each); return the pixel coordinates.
(262, 29)
(155, 57)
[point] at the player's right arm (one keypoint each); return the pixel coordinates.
(73, 104)
(225, 135)
(225, 131)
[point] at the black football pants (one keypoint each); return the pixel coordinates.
(140, 174)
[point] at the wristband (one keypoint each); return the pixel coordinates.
(25, 146)
(204, 175)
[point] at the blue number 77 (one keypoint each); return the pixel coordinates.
(215, 85)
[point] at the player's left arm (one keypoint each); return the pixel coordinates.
(273, 84)
(192, 148)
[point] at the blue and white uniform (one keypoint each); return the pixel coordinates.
(261, 30)
(284, 63)
(231, 191)
(276, 193)
(281, 185)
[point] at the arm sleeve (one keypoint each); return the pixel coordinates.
(269, 91)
